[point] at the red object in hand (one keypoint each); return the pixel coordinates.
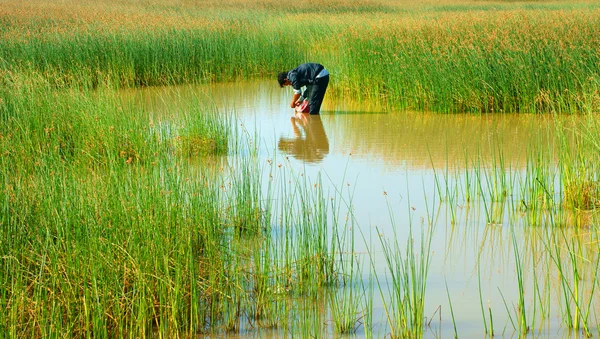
(302, 107)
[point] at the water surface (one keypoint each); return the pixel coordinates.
(391, 167)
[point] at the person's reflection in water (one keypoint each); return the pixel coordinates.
(310, 142)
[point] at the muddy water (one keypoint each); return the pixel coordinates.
(394, 165)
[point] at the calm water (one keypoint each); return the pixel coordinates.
(394, 161)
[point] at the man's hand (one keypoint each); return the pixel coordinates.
(295, 101)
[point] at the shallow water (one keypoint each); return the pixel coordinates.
(392, 166)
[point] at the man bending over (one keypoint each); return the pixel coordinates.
(312, 75)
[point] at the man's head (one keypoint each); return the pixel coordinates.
(282, 79)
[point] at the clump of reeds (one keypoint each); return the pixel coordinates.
(583, 195)
(578, 154)
(194, 145)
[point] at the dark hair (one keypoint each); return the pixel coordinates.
(281, 78)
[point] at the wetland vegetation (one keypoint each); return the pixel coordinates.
(120, 220)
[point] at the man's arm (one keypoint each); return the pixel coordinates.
(294, 100)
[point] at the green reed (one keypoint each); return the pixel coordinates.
(578, 159)
(108, 229)
(443, 65)
(451, 311)
(408, 268)
(540, 266)
(119, 259)
(575, 255)
(368, 288)
(521, 311)
(345, 303)
(348, 297)
(577, 265)
(536, 200)
(116, 230)
(92, 57)
(483, 59)
(489, 328)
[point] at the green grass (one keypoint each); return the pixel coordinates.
(110, 227)
(497, 57)
(408, 267)
(107, 230)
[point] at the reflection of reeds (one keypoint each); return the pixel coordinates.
(521, 309)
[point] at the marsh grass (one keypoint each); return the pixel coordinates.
(501, 68)
(368, 289)
(581, 188)
(407, 267)
(578, 156)
(348, 298)
(576, 264)
(583, 194)
(115, 231)
(108, 231)
(344, 306)
(443, 58)
(107, 226)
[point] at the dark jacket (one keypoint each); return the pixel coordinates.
(304, 74)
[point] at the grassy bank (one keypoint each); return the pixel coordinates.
(449, 57)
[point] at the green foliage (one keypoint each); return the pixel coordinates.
(505, 57)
